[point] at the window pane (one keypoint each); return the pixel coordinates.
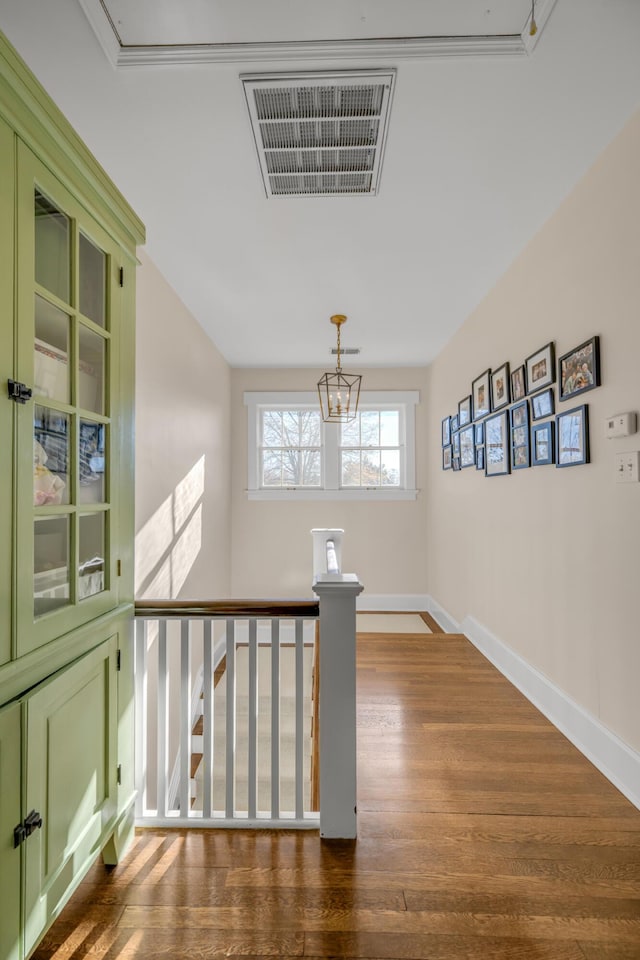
(311, 429)
(91, 462)
(91, 555)
(311, 469)
(370, 468)
(351, 433)
(93, 268)
(389, 428)
(390, 468)
(271, 468)
(53, 261)
(50, 456)
(350, 472)
(51, 352)
(370, 427)
(272, 428)
(291, 467)
(291, 428)
(50, 564)
(91, 371)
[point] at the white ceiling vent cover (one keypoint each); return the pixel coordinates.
(320, 134)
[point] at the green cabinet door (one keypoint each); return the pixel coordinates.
(71, 772)
(69, 303)
(7, 165)
(10, 754)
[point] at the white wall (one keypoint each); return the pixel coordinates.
(548, 560)
(183, 503)
(272, 549)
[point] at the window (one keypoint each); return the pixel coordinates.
(293, 455)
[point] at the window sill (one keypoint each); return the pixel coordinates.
(372, 493)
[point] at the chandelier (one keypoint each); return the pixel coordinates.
(339, 392)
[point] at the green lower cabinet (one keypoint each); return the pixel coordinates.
(10, 759)
(71, 772)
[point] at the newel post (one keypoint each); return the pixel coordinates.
(337, 594)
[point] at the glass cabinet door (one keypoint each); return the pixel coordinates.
(67, 323)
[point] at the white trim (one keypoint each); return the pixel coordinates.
(403, 48)
(103, 29)
(392, 602)
(543, 10)
(616, 760)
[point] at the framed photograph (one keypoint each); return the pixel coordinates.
(542, 448)
(454, 423)
(464, 411)
(496, 444)
(542, 404)
(500, 387)
(479, 434)
(467, 446)
(446, 431)
(540, 368)
(479, 458)
(518, 384)
(447, 457)
(455, 441)
(572, 437)
(481, 400)
(455, 463)
(579, 370)
(520, 456)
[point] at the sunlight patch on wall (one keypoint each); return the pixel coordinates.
(167, 545)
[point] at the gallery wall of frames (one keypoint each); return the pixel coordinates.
(511, 419)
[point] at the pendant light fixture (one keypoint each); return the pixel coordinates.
(533, 26)
(339, 392)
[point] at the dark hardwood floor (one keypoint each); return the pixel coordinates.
(483, 835)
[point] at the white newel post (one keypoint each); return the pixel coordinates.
(337, 594)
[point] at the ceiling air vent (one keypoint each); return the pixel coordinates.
(320, 134)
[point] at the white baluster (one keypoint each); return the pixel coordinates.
(275, 719)
(163, 721)
(231, 720)
(252, 762)
(207, 719)
(185, 718)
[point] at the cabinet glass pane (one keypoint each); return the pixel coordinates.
(93, 263)
(53, 264)
(51, 352)
(50, 456)
(91, 555)
(91, 461)
(50, 564)
(91, 371)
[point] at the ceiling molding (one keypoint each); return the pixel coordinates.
(305, 50)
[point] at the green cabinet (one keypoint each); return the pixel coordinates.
(67, 301)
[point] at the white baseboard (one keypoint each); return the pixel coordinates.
(612, 757)
(394, 602)
(448, 624)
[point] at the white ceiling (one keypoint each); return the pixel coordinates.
(485, 141)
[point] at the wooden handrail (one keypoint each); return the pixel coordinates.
(238, 609)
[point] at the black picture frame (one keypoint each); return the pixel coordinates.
(541, 368)
(542, 404)
(455, 443)
(446, 431)
(500, 387)
(542, 443)
(481, 395)
(479, 433)
(464, 411)
(518, 383)
(579, 369)
(454, 423)
(520, 452)
(447, 457)
(496, 444)
(455, 463)
(467, 446)
(479, 458)
(572, 437)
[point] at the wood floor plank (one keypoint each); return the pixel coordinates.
(483, 834)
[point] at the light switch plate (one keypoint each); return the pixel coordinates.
(628, 467)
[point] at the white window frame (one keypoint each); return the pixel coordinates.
(404, 401)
